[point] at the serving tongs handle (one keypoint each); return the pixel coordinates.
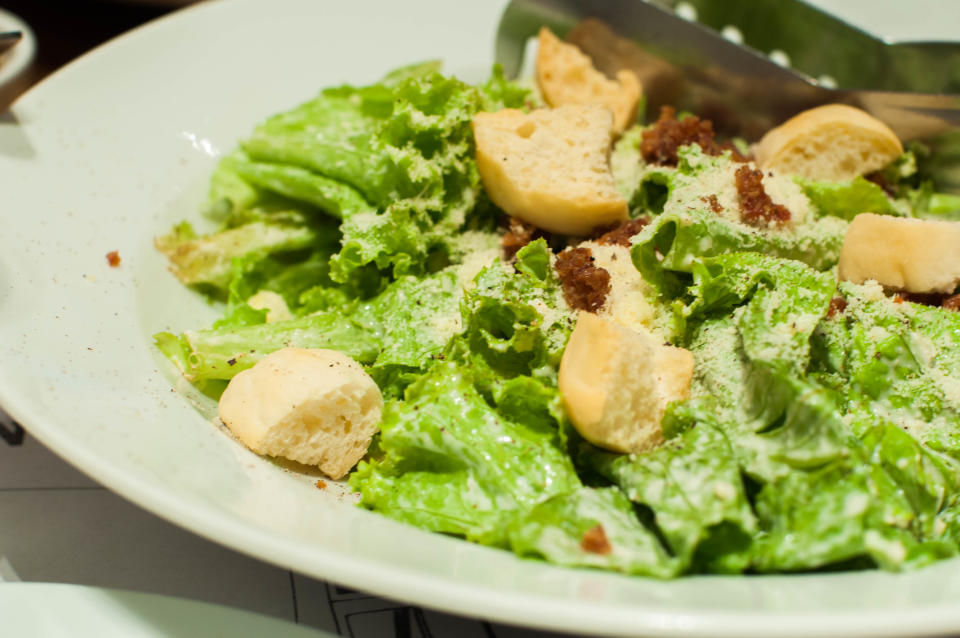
(691, 67)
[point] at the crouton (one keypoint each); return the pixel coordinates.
(616, 383)
(912, 255)
(316, 407)
(551, 167)
(566, 75)
(832, 142)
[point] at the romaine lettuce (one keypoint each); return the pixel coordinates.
(452, 462)
(591, 527)
(848, 199)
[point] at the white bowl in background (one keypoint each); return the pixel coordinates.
(17, 60)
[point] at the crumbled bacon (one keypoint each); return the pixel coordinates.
(519, 233)
(661, 141)
(620, 235)
(595, 541)
(878, 178)
(924, 299)
(934, 299)
(756, 207)
(585, 286)
(113, 258)
(713, 203)
(837, 305)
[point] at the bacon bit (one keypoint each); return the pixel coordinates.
(925, 299)
(933, 299)
(518, 234)
(322, 484)
(837, 305)
(713, 203)
(595, 541)
(756, 207)
(113, 258)
(661, 141)
(878, 178)
(585, 287)
(620, 235)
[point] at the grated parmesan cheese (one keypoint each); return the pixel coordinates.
(626, 304)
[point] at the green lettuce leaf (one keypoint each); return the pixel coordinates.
(291, 279)
(454, 463)
(848, 199)
(665, 250)
(405, 146)
(925, 203)
(836, 483)
(831, 515)
(879, 505)
(780, 292)
(334, 198)
(394, 160)
(479, 438)
(749, 326)
(405, 326)
(208, 260)
(560, 530)
(917, 175)
(515, 320)
(628, 169)
(414, 319)
(693, 487)
(500, 93)
(221, 353)
(696, 214)
(927, 479)
(896, 360)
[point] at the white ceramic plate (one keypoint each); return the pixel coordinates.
(45, 610)
(109, 152)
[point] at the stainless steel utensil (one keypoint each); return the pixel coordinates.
(692, 67)
(8, 39)
(820, 44)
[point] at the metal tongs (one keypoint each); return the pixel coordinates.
(913, 87)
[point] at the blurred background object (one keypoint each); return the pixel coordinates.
(15, 62)
(65, 29)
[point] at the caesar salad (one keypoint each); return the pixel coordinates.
(512, 313)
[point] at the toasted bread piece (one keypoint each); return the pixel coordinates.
(316, 407)
(913, 255)
(832, 142)
(551, 167)
(566, 76)
(616, 383)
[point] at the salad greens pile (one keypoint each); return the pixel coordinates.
(823, 425)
